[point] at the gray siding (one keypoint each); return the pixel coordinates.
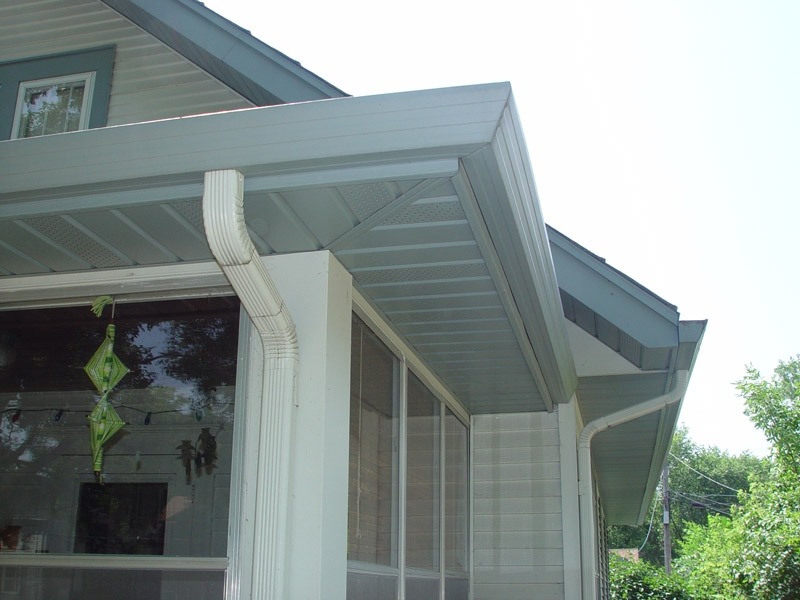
(517, 532)
(150, 80)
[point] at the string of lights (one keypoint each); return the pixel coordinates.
(58, 413)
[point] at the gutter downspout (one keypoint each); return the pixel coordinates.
(585, 485)
(223, 216)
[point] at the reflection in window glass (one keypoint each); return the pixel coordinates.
(165, 477)
(53, 106)
(372, 512)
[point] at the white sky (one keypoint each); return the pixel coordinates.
(664, 136)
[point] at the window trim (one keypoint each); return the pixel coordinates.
(99, 61)
(86, 105)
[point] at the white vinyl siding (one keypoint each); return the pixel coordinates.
(150, 81)
(517, 531)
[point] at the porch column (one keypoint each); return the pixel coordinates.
(318, 293)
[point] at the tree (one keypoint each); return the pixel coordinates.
(769, 521)
(774, 407)
(756, 554)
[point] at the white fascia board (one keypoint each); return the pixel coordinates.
(502, 170)
(392, 128)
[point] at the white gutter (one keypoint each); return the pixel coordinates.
(223, 215)
(586, 486)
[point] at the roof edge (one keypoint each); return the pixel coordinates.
(218, 45)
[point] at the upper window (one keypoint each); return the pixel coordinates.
(55, 94)
(55, 105)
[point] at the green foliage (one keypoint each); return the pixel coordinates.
(693, 497)
(756, 554)
(769, 520)
(768, 561)
(774, 407)
(643, 581)
(708, 557)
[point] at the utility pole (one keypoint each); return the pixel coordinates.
(667, 538)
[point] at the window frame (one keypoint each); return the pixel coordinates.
(141, 284)
(14, 74)
(86, 78)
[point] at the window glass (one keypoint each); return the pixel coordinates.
(456, 493)
(435, 476)
(422, 488)
(163, 483)
(53, 106)
(373, 475)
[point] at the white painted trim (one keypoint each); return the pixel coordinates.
(570, 522)
(402, 481)
(471, 509)
(442, 499)
(183, 280)
(121, 561)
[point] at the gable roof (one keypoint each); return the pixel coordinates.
(250, 67)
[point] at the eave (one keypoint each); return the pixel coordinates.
(426, 198)
(630, 321)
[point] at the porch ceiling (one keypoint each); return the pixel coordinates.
(426, 198)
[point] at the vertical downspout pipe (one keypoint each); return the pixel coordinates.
(223, 216)
(585, 480)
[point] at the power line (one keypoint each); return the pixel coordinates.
(700, 504)
(691, 468)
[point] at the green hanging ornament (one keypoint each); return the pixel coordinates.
(106, 370)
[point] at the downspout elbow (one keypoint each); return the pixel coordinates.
(226, 231)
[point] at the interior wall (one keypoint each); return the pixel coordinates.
(518, 548)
